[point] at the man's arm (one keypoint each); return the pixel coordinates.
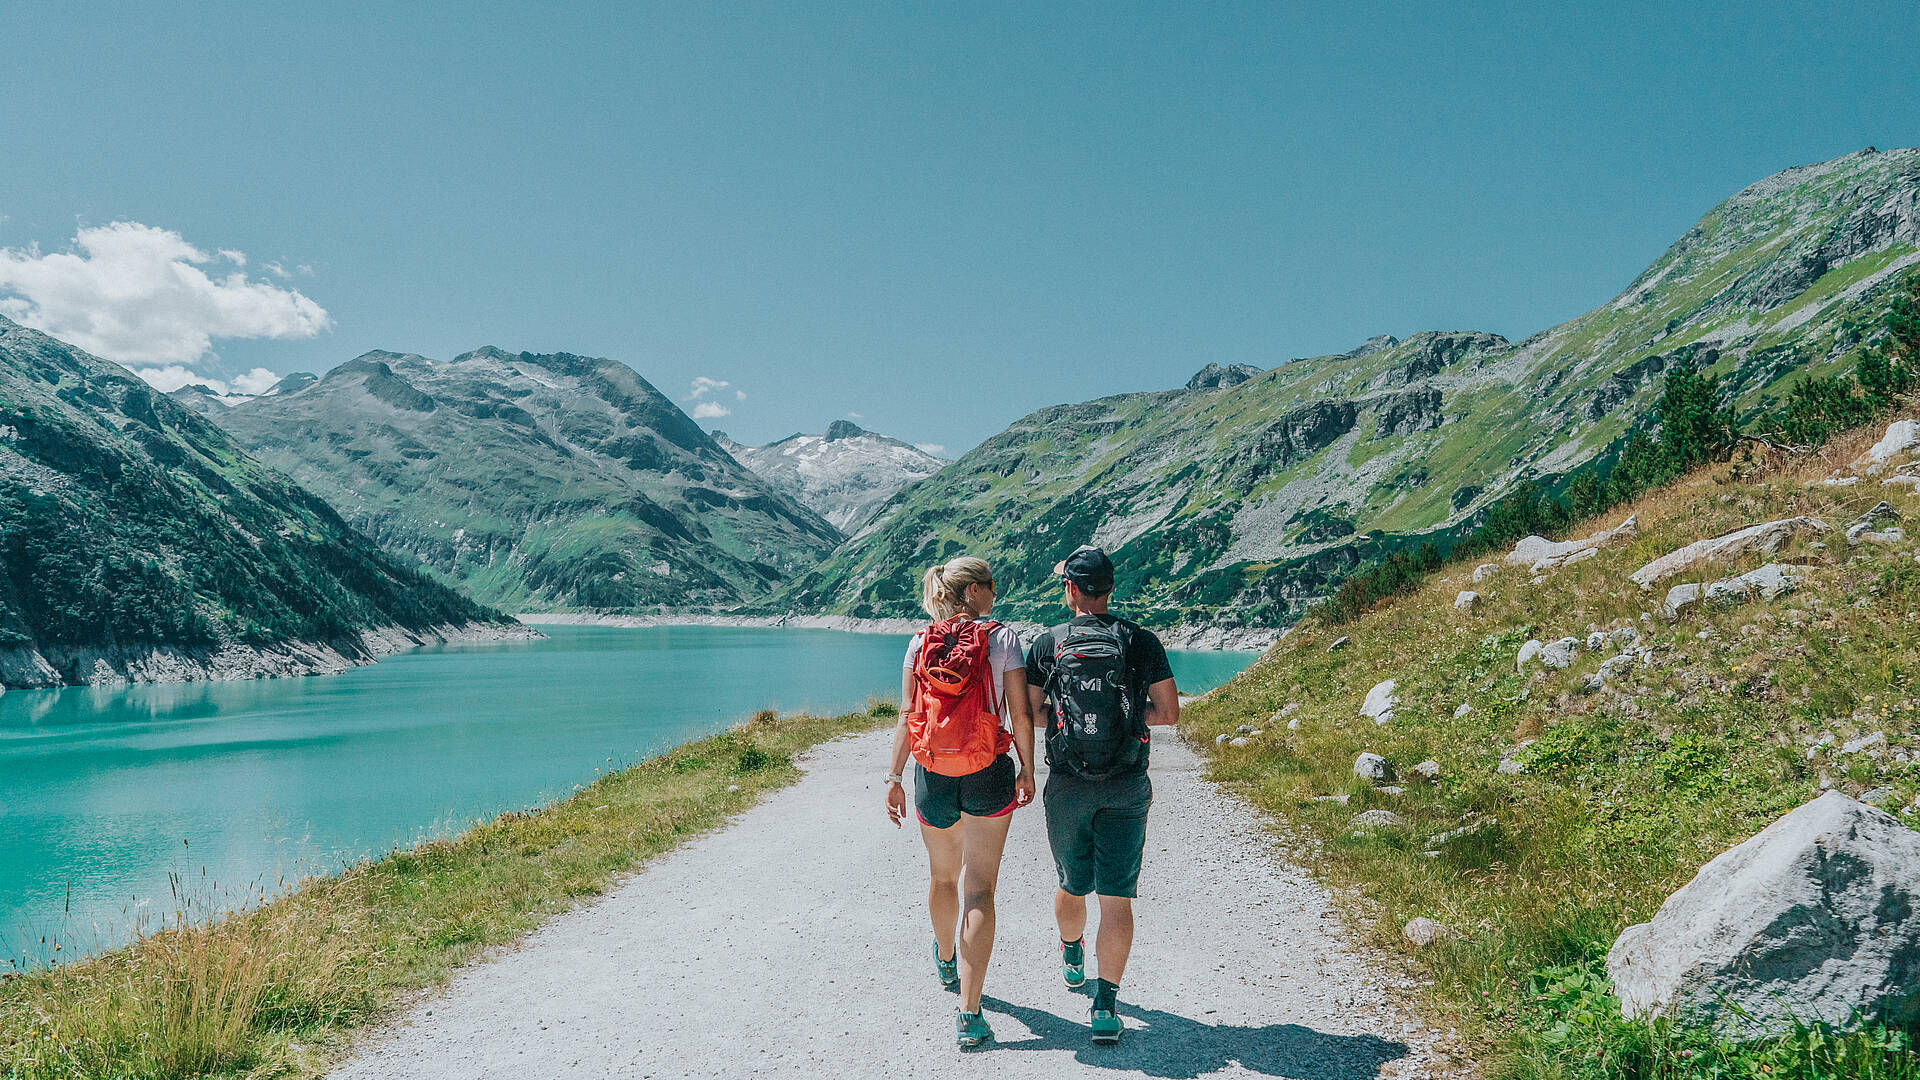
(1037, 704)
(1163, 704)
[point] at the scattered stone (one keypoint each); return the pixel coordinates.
(1854, 746)
(1378, 819)
(1625, 637)
(1765, 537)
(1255, 733)
(1424, 932)
(1879, 796)
(1540, 553)
(1840, 481)
(1381, 701)
(1614, 666)
(1596, 641)
(1901, 434)
(1861, 528)
(1428, 769)
(1530, 649)
(1463, 710)
(1511, 767)
(1391, 789)
(1902, 480)
(1221, 739)
(1484, 571)
(1289, 709)
(1341, 799)
(1466, 601)
(1467, 829)
(1244, 729)
(1338, 643)
(1293, 724)
(1240, 741)
(1370, 766)
(1815, 918)
(1559, 654)
(1682, 597)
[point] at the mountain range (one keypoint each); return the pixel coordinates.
(1243, 496)
(137, 541)
(845, 476)
(535, 482)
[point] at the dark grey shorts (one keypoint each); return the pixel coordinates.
(1098, 830)
(940, 800)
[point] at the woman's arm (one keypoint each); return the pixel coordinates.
(897, 764)
(1014, 683)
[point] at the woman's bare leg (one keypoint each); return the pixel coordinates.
(943, 891)
(984, 840)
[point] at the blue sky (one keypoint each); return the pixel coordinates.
(936, 216)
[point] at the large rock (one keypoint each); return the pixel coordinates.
(1466, 601)
(1768, 582)
(1540, 553)
(1813, 918)
(1370, 766)
(1765, 537)
(1559, 654)
(1901, 435)
(1381, 701)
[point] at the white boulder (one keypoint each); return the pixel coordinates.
(1466, 601)
(1901, 435)
(1378, 819)
(1540, 553)
(1423, 932)
(1765, 537)
(1381, 701)
(1559, 654)
(1816, 917)
(1370, 767)
(1484, 571)
(1528, 650)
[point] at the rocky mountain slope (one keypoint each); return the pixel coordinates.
(535, 482)
(137, 541)
(845, 476)
(1238, 502)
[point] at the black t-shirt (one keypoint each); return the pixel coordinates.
(1146, 657)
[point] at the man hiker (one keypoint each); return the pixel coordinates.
(1097, 681)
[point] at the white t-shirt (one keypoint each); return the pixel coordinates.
(1003, 655)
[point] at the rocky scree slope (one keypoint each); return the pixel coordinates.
(138, 541)
(1239, 502)
(535, 482)
(1539, 768)
(845, 476)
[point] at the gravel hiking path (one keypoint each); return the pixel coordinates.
(794, 942)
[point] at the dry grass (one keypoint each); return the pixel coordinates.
(1628, 789)
(272, 991)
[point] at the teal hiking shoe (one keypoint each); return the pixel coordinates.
(1073, 963)
(1106, 1022)
(971, 1029)
(948, 970)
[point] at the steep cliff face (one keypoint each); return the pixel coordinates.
(535, 482)
(845, 476)
(1238, 502)
(137, 541)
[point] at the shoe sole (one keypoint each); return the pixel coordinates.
(975, 1044)
(1106, 1038)
(1075, 984)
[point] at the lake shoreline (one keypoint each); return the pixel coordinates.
(49, 667)
(1185, 638)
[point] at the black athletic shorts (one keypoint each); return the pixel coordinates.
(940, 800)
(1098, 832)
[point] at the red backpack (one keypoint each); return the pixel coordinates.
(951, 725)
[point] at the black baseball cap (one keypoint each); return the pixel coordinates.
(1089, 569)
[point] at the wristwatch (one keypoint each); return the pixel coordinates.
(895, 778)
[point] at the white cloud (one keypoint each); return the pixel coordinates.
(710, 410)
(702, 386)
(855, 416)
(739, 395)
(137, 295)
(174, 376)
(934, 448)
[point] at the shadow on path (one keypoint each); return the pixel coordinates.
(1166, 1045)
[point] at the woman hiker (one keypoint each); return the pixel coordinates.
(963, 705)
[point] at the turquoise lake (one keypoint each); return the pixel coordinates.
(105, 792)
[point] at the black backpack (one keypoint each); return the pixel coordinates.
(1098, 728)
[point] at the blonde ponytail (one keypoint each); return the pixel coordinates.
(943, 589)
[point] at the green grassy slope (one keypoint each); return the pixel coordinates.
(128, 520)
(1239, 505)
(535, 482)
(1735, 716)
